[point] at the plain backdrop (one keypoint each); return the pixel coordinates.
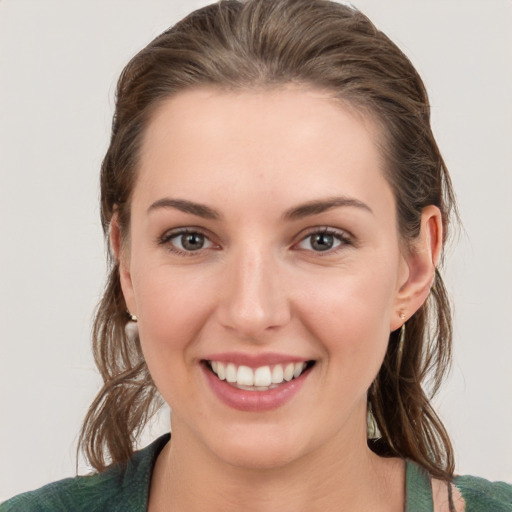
(59, 61)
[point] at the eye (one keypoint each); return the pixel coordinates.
(190, 241)
(186, 241)
(324, 240)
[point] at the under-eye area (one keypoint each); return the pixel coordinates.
(262, 378)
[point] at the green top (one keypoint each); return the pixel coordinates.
(126, 488)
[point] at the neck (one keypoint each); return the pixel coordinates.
(347, 476)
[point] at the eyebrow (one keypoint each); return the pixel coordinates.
(322, 205)
(314, 207)
(185, 206)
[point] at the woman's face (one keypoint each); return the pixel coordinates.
(263, 241)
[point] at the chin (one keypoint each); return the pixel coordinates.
(258, 450)
(258, 457)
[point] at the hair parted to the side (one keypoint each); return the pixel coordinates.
(259, 44)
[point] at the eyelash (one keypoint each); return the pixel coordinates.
(343, 237)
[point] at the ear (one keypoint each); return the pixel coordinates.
(121, 254)
(421, 261)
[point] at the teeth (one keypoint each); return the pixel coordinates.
(245, 376)
(221, 371)
(263, 377)
(277, 374)
(288, 372)
(231, 375)
(298, 367)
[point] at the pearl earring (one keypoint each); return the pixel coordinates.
(131, 328)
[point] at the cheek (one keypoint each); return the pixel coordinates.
(172, 308)
(350, 316)
(172, 305)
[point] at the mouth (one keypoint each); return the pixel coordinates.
(262, 378)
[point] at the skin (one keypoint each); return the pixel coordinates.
(259, 286)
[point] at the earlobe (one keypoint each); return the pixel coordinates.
(121, 256)
(422, 260)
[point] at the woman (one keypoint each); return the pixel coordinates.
(276, 206)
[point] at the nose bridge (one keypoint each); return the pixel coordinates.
(254, 301)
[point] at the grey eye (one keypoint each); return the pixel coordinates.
(322, 241)
(189, 241)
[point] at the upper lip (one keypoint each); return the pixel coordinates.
(255, 360)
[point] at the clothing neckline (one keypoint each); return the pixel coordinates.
(418, 491)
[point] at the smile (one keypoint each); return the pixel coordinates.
(262, 378)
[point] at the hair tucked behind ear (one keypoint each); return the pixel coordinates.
(262, 44)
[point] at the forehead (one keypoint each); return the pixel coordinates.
(291, 141)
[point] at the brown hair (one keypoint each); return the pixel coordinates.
(268, 43)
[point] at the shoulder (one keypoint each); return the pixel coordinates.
(93, 492)
(120, 488)
(482, 495)
(465, 494)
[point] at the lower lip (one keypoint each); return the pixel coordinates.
(254, 401)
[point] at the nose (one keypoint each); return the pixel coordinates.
(254, 300)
